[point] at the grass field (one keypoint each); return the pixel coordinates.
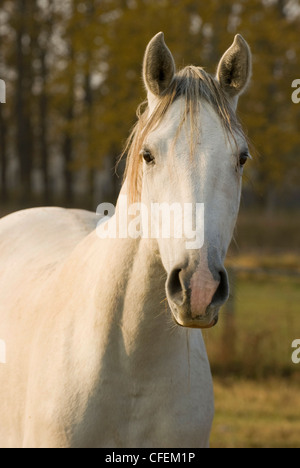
(257, 387)
(256, 414)
(255, 340)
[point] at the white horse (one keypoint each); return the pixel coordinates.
(92, 356)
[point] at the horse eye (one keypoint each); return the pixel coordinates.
(147, 156)
(243, 159)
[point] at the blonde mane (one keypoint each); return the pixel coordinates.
(194, 85)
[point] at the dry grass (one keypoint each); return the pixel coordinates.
(257, 405)
(255, 341)
(284, 262)
(256, 414)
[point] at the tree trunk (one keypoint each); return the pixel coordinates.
(43, 130)
(91, 155)
(68, 145)
(68, 157)
(23, 94)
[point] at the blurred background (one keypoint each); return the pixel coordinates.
(73, 76)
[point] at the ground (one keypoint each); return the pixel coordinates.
(256, 414)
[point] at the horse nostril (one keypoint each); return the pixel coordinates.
(222, 293)
(175, 289)
(178, 290)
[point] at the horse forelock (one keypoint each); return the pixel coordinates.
(195, 86)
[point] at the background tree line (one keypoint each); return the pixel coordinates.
(73, 76)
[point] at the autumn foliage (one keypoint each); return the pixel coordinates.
(73, 76)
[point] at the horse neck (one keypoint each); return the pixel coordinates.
(143, 337)
(117, 291)
(143, 307)
(129, 345)
(132, 301)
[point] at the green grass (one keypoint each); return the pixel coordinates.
(256, 340)
(256, 384)
(256, 414)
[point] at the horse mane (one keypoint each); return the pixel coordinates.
(195, 85)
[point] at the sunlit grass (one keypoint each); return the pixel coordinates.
(260, 414)
(289, 262)
(257, 387)
(256, 339)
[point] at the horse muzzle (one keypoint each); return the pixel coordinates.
(195, 298)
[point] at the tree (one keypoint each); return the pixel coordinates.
(24, 10)
(74, 72)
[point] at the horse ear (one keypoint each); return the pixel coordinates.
(235, 68)
(159, 66)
